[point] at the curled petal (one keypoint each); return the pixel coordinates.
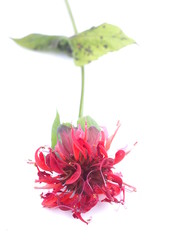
(76, 175)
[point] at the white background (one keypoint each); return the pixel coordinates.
(138, 85)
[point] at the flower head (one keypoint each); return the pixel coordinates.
(79, 170)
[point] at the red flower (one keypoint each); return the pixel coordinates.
(79, 170)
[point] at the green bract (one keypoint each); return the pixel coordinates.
(83, 47)
(55, 126)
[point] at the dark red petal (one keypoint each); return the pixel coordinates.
(76, 175)
(88, 201)
(101, 150)
(119, 156)
(40, 160)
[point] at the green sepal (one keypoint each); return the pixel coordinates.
(67, 124)
(90, 122)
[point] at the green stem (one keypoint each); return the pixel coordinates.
(82, 94)
(82, 68)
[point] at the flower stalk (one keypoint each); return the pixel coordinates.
(81, 106)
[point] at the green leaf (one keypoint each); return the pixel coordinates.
(90, 122)
(83, 47)
(55, 126)
(97, 41)
(45, 43)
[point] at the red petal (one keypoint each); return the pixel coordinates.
(40, 160)
(76, 175)
(50, 200)
(64, 197)
(77, 148)
(119, 156)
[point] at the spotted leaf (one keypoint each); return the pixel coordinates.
(97, 41)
